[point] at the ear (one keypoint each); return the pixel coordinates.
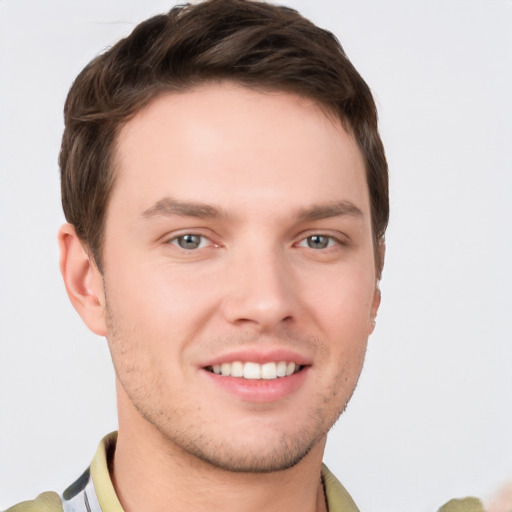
(374, 308)
(376, 294)
(83, 280)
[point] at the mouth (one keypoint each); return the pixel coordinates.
(255, 371)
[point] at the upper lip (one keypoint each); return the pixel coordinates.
(260, 356)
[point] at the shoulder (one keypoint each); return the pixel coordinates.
(336, 496)
(463, 505)
(45, 502)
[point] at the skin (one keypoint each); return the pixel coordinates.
(256, 176)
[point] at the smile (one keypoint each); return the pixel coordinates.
(255, 371)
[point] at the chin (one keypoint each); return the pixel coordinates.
(248, 450)
(250, 460)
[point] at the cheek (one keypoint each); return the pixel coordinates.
(142, 291)
(343, 305)
(160, 306)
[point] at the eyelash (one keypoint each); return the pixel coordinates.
(304, 242)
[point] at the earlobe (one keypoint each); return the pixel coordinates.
(376, 294)
(374, 308)
(82, 279)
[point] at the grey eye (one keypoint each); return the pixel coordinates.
(189, 241)
(318, 241)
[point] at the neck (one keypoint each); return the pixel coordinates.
(150, 473)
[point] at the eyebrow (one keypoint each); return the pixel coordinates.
(325, 211)
(168, 206)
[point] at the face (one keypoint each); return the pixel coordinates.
(239, 274)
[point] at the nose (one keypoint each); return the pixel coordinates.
(260, 291)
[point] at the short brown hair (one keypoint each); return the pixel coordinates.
(251, 43)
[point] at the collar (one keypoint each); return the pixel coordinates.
(94, 491)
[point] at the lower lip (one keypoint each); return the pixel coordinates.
(259, 390)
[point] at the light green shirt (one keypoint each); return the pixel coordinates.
(94, 492)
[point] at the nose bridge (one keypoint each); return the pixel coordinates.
(260, 289)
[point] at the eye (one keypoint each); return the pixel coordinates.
(190, 241)
(318, 242)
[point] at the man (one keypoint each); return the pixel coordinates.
(225, 188)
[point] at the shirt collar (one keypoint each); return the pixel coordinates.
(94, 491)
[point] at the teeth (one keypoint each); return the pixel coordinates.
(225, 369)
(255, 371)
(268, 371)
(252, 371)
(281, 369)
(237, 369)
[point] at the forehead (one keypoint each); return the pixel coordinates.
(232, 146)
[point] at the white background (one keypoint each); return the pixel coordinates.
(432, 416)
